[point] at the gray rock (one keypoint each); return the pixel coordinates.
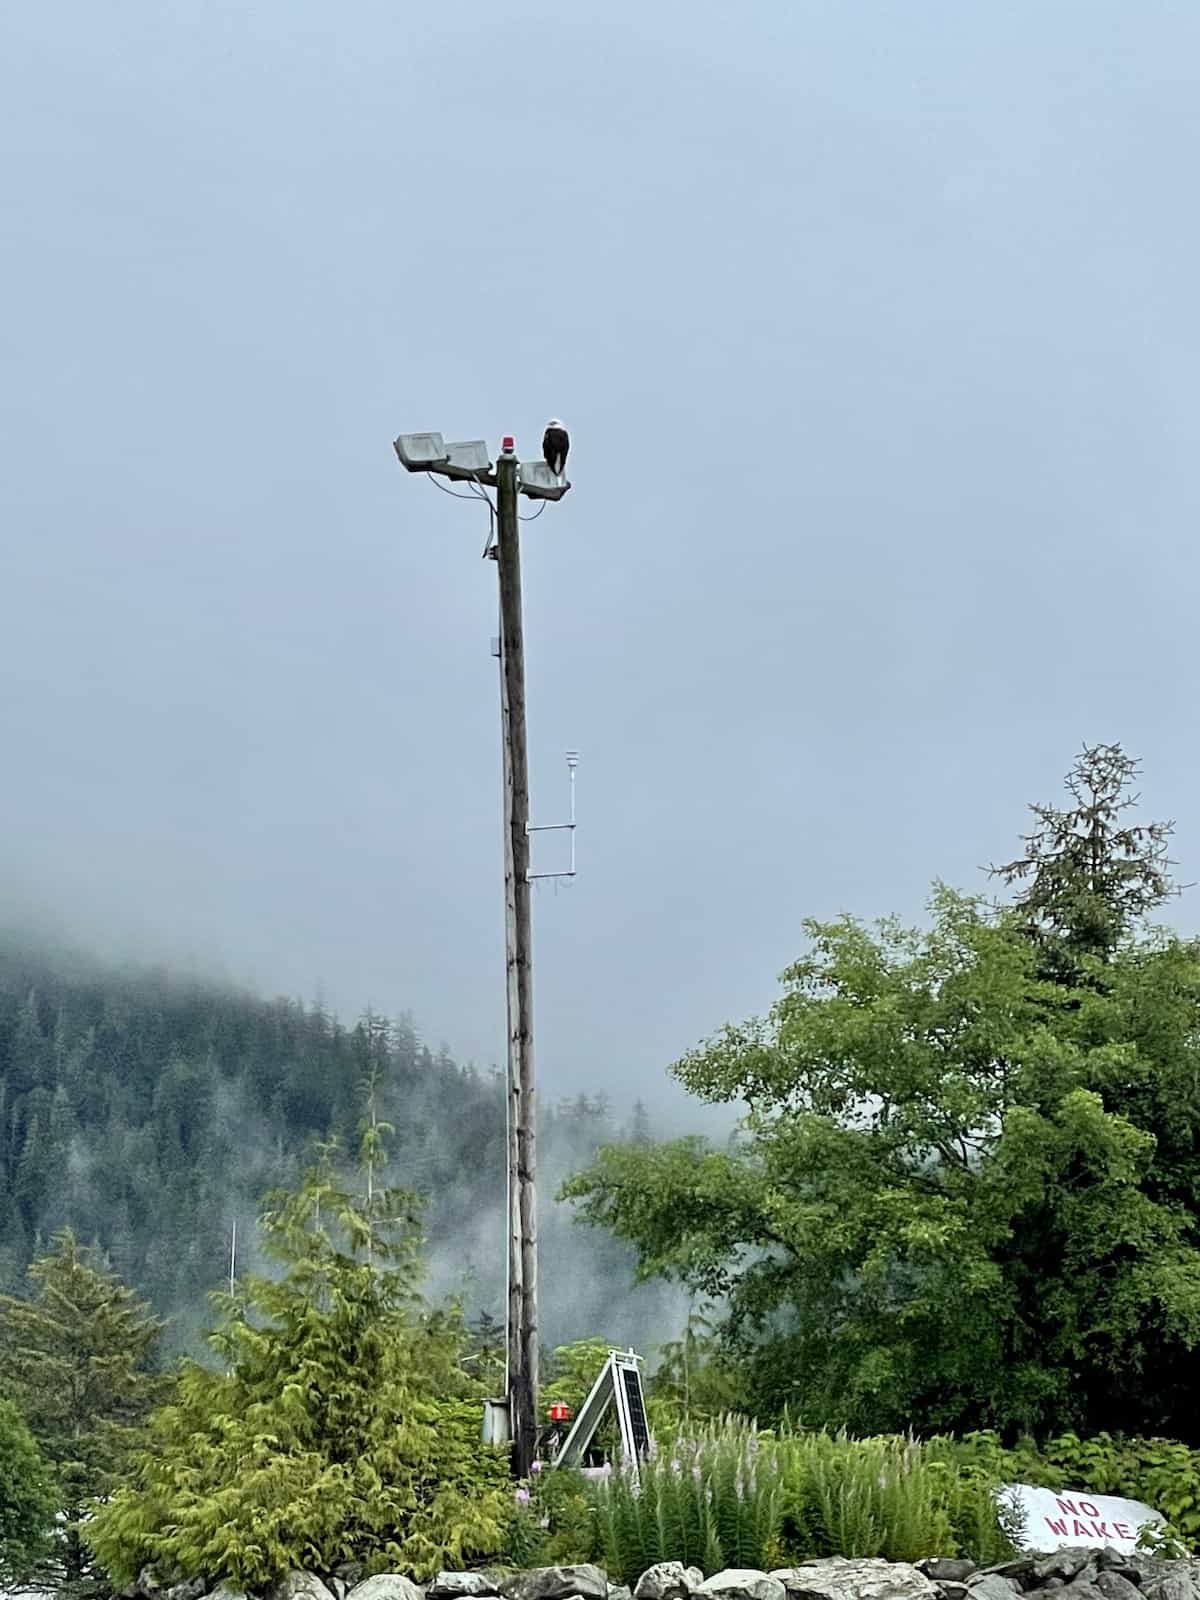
(942, 1569)
(742, 1583)
(556, 1583)
(668, 1580)
(384, 1586)
(992, 1586)
(193, 1589)
(952, 1591)
(1114, 1585)
(1082, 1588)
(1016, 1569)
(1176, 1584)
(840, 1578)
(1110, 1560)
(461, 1586)
(297, 1585)
(619, 1591)
(1064, 1564)
(338, 1587)
(226, 1591)
(1140, 1568)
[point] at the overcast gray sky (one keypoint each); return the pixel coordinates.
(875, 326)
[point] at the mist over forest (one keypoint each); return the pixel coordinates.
(152, 1112)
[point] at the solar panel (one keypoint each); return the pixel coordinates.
(636, 1404)
(619, 1384)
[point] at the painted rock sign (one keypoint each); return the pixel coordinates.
(1061, 1521)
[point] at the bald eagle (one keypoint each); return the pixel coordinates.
(555, 444)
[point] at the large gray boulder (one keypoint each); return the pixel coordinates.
(297, 1585)
(947, 1569)
(991, 1586)
(556, 1583)
(190, 1589)
(668, 1580)
(1177, 1583)
(840, 1578)
(386, 1586)
(742, 1583)
(461, 1586)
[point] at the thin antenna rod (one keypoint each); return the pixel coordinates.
(572, 763)
(233, 1256)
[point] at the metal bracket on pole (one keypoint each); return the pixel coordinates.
(561, 827)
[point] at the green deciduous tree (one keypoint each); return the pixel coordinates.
(28, 1500)
(78, 1357)
(964, 1192)
(334, 1429)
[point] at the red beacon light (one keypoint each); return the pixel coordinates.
(508, 445)
(560, 1413)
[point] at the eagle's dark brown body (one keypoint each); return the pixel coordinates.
(555, 445)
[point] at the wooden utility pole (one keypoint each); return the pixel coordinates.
(521, 1082)
(470, 460)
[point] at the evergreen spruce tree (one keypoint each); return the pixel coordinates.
(78, 1358)
(337, 1427)
(1087, 876)
(27, 1498)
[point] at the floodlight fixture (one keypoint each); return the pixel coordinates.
(540, 482)
(468, 458)
(421, 452)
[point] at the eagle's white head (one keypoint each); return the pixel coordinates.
(554, 423)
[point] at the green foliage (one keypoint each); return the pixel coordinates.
(964, 1193)
(729, 1496)
(28, 1499)
(333, 1430)
(79, 1358)
(554, 1521)
(694, 1381)
(572, 1369)
(1163, 1473)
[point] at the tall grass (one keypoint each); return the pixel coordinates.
(730, 1496)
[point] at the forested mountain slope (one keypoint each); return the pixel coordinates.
(153, 1112)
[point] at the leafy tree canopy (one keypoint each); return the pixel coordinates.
(964, 1192)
